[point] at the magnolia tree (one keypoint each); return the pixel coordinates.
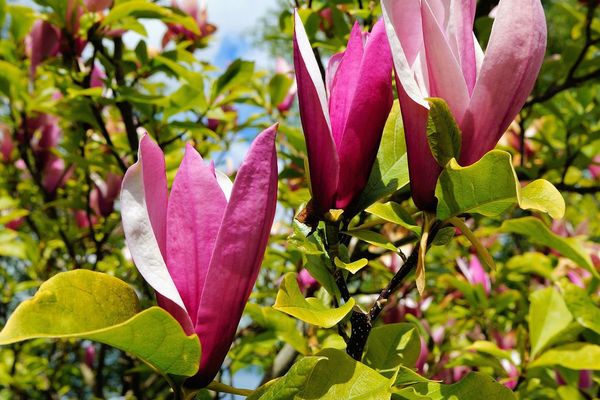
(415, 215)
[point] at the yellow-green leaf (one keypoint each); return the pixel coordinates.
(291, 301)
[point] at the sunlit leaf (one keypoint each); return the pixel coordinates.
(548, 317)
(291, 301)
(90, 305)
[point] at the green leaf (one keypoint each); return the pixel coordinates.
(576, 356)
(490, 187)
(390, 170)
(288, 386)
(341, 377)
(392, 345)
(393, 212)
(537, 232)
(475, 386)
(485, 347)
(353, 267)
(548, 317)
(541, 195)
(444, 236)
(147, 9)
(237, 73)
(90, 305)
(443, 134)
(291, 301)
(406, 376)
(284, 327)
(581, 306)
(279, 86)
(374, 238)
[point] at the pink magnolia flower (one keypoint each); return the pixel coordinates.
(436, 55)
(97, 5)
(201, 246)
(104, 194)
(196, 10)
(97, 78)
(43, 42)
(475, 273)
(343, 120)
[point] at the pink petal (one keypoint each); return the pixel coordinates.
(370, 108)
(343, 89)
(314, 113)
(422, 167)
(462, 17)
(194, 214)
(238, 252)
(405, 34)
(445, 75)
(512, 61)
(143, 213)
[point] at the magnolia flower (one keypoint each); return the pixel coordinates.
(104, 194)
(436, 55)
(43, 42)
(343, 120)
(475, 273)
(97, 5)
(97, 77)
(201, 246)
(198, 11)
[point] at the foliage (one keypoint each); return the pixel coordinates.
(69, 128)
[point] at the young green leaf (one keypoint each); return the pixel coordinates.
(291, 301)
(537, 232)
(90, 305)
(490, 187)
(341, 377)
(353, 267)
(392, 345)
(288, 386)
(374, 238)
(443, 133)
(548, 317)
(393, 212)
(576, 356)
(581, 306)
(475, 386)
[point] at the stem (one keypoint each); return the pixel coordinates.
(223, 388)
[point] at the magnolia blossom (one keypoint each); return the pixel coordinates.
(343, 119)
(198, 11)
(97, 5)
(43, 42)
(475, 273)
(201, 245)
(436, 55)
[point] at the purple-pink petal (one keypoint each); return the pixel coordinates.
(510, 67)
(371, 104)
(314, 114)
(194, 214)
(238, 253)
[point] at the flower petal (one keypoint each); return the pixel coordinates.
(194, 215)
(238, 252)
(512, 62)
(445, 75)
(344, 84)
(404, 31)
(373, 98)
(314, 113)
(225, 183)
(143, 199)
(422, 167)
(462, 17)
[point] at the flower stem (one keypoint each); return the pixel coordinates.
(223, 388)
